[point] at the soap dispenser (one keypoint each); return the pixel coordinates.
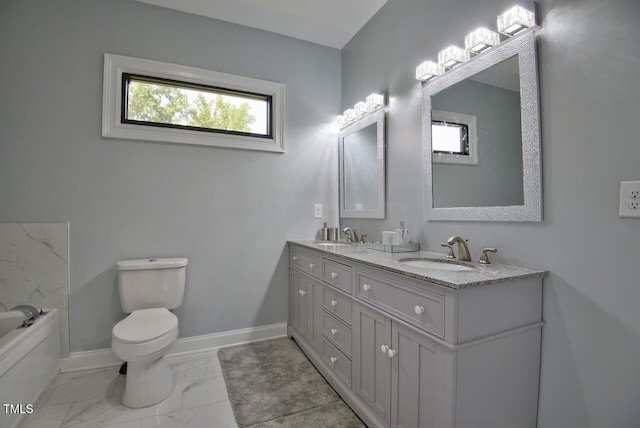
(325, 232)
(402, 235)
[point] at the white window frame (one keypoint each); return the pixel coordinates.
(463, 119)
(112, 127)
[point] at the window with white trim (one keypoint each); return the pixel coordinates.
(150, 100)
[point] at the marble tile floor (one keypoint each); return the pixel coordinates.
(93, 398)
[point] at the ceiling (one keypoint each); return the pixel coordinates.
(326, 22)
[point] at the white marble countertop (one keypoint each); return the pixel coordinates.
(481, 274)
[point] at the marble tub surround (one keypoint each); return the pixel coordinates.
(481, 274)
(93, 398)
(34, 270)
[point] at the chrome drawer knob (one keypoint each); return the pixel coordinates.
(333, 360)
(334, 303)
(391, 353)
(334, 331)
(311, 265)
(384, 349)
(419, 310)
(302, 292)
(334, 274)
(366, 287)
(295, 258)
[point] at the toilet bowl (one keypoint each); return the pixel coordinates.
(148, 289)
(142, 339)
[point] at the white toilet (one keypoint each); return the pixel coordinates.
(148, 289)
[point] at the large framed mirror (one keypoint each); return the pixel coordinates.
(362, 168)
(481, 138)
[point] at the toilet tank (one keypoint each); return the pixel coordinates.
(151, 283)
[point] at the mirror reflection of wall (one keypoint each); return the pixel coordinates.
(493, 98)
(360, 169)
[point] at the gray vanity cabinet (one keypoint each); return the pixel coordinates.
(403, 351)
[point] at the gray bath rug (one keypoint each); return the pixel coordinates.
(273, 384)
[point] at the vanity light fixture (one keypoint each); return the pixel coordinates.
(374, 102)
(360, 108)
(428, 70)
(350, 115)
(363, 108)
(515, 20)
(480, 40)
(452, 56)
(511, 23)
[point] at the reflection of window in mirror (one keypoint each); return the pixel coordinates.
(453, 138)
(450, 138)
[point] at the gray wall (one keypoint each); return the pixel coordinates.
(589, 61)
(496, 180)
(229, 211)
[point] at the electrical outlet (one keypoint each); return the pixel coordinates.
(630, 199)
(317, 210)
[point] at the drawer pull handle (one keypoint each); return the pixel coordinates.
(334, 303)
(334, 275)
(295, 258)
(312, 265)
(334, 331)
(366, 287)
(391, 353)
(384, 349)
(419, 310)
(333, 360)
(302, 292)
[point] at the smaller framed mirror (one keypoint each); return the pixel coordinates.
(362, 168)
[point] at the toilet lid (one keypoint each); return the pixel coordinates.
(145, 325)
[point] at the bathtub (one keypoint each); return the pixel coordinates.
(29, 360)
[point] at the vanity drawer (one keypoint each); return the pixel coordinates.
(337, 333)
(337, 275)
(422, 308)
(338, 362)
(338, 305)
(307, 262)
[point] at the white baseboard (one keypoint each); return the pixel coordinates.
(102, 358)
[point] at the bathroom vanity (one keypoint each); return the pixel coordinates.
(406, 346)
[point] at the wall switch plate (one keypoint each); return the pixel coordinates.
(317, 210)
(630, 199)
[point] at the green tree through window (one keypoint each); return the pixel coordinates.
(166, 104)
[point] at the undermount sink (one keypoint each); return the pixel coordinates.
(436, 264)
(332, 244)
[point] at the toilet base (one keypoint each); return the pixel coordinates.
(148, 383)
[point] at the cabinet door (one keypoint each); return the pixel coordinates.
(414, 380)
(313, 300)
(372, 365)
(306, 297)
(298, 289)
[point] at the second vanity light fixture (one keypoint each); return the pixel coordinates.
(510, 23)
(372, 103)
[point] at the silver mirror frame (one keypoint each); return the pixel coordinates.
(376, 117)
(525, 47)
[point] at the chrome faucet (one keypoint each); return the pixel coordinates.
(352, 236)
(463, 250)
